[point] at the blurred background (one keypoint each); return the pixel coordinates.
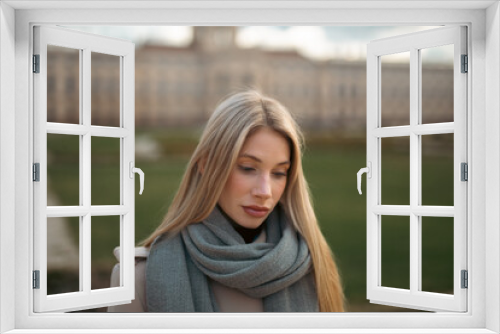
(319, 73)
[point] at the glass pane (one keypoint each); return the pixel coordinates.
(105, 236)
(63, 170)
(437, 254)
(105, 171)
(63, 85)
(437, 170)
(105, 90)
(395, 171)
(395, 251)
(395, 89)
(437, 84)
(63, 261)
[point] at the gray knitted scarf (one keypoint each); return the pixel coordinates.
(279, 271)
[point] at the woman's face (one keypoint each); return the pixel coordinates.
(258, 178)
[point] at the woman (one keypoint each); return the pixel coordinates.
(241, 234)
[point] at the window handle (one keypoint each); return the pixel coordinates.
(368, 171)
(141, 175)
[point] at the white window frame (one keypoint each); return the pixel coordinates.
(85, 44)
(16, 21)
(376, 210)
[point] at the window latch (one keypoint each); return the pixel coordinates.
(133, 170)
(368, 171)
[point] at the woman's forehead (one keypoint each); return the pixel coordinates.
(266, 144)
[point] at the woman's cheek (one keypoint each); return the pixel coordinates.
(280, 188)
(241, 182)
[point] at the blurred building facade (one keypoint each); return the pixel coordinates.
(181, 86)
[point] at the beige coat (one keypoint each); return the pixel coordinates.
(228, 299)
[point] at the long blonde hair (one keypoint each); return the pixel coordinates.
(234, 119)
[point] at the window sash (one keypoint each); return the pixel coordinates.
(86, 44)
(414, 298)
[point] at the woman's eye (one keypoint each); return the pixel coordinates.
(246, 169)
(280, 174)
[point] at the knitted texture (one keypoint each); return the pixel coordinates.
(278, 271)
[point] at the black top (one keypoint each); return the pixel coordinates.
(248, 234)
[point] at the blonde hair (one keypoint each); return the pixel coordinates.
(234, 119)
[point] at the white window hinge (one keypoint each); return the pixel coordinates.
(36, 63)
(36, 172)
(465, 64)
(464, 172)
(465, 279)
(36, 279)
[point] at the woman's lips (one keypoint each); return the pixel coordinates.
(256, 211)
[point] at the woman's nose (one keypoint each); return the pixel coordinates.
(263, 187)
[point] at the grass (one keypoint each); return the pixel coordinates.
(330, 165)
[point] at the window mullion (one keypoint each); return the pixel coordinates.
(81, 179)
(415, 246)
(85, 166)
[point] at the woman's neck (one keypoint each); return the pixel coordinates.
(248, 234)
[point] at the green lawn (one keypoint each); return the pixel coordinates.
(330, 165)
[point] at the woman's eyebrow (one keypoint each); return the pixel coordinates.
(246, 155)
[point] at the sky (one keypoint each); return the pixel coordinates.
(315, 42)
(320, 42)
